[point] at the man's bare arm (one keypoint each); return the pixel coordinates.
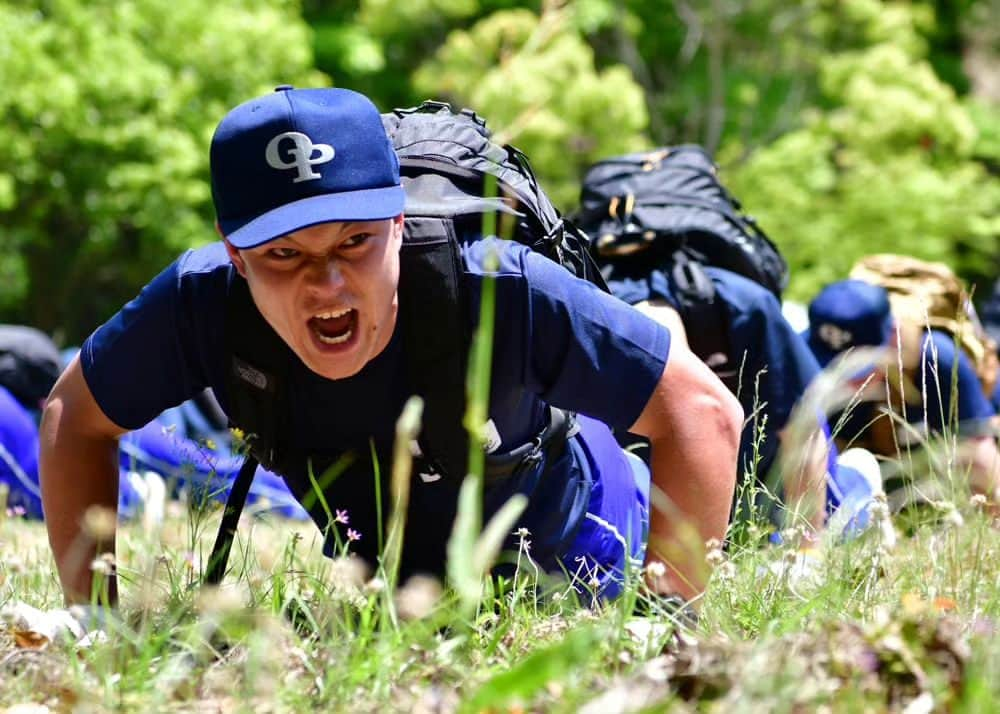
(78, 469)
(693, 424)
(981, 457)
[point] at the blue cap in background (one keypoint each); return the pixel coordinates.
(846, 314)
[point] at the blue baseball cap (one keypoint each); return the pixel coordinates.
(298, 157)
(846, 314)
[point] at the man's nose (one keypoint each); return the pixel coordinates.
(325, 275)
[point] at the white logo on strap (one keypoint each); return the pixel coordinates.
(430, 475)
(301, 152)
(491, 437)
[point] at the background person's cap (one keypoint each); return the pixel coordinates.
(298, 157)
(846, 314)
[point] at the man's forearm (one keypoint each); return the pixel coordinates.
(694, 476)
(981, 457)
(805, 481)
(78, 474)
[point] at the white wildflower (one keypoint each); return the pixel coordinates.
(656, 569)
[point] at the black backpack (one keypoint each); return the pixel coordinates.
(30, 363)
(446, 159)
(667, 209)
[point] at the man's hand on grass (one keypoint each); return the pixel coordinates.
(82, 625)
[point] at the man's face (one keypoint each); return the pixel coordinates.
(328, 290)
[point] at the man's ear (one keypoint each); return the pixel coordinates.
(397, 226)
(235, 258)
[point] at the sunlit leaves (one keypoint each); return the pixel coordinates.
(108, 110)
(535, 79)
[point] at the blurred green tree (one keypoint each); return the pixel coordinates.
(524, 66)
(884, 163)
(533, 77)
(108, 108)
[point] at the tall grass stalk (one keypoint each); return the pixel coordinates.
(471, 550)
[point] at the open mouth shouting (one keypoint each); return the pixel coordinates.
(334, 327)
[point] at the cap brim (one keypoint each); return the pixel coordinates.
(374, 204)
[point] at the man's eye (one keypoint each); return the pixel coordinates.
(356, 240)
(283, 253)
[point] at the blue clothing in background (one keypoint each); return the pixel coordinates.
(19, 456)
(553, 334)
(19, 462)
(200, 465)
(775, 365)
(945, 375)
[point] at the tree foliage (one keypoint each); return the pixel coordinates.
(537, 84)
(885, 163)
(846, 126)
(108, 109)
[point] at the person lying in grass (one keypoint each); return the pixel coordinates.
(937, 391)
(773, 367)
(309, 203)
(671, 240)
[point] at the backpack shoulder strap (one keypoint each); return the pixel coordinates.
(230, 520)
(704, 318)
(258, 363)
(255, 381)
(436, 338)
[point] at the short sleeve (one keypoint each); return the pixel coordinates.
(588, 351)
(144, 359)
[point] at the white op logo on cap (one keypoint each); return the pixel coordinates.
(836, 337)
(302, 153)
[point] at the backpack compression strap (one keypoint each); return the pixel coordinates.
(704, 318)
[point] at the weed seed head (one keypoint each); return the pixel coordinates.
(656, 569)
(418, 597)
(104, 564)
(99, 522)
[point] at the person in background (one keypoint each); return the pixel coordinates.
(937, 391)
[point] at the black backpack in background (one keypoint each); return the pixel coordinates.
(666, 209)
(30, 364)
(656, 203)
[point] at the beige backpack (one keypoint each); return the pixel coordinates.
(926, 294)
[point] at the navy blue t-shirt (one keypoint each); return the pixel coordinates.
(558, 341)
(774, 363)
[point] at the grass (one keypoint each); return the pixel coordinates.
(862, 629)
(847, 626)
